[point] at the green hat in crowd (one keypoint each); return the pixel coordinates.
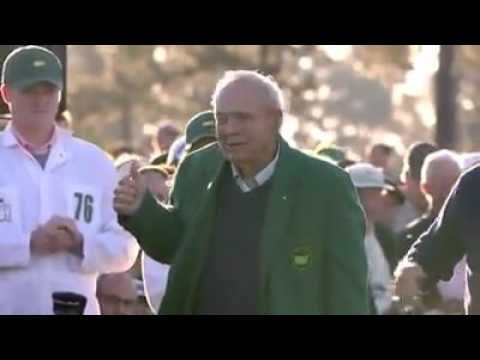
(159, 164)
(30, 65)
(156, 168)
(159, 159)
(200, 127)
(332, 153)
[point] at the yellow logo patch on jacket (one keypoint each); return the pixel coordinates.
(301, 257)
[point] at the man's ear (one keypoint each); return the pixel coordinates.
(425, 188)
(5, 93)
(278, 116)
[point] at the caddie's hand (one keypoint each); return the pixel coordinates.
(41, 243)
(68, 237)
(58, 234)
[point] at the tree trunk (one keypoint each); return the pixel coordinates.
(446, 93)
(264, 55)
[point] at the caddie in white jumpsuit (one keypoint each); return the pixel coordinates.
(58, 229)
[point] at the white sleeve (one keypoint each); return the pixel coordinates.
(155, 277)
(112, 249)
(14, 244)
(14, 249)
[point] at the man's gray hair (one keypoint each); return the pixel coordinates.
(267, 82)
(436, 162)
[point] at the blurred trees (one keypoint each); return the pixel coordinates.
(343, 94)
(126, 87)
(4, 51)
(115, 90)
(446, 99)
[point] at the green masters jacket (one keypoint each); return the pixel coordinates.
(312, 256)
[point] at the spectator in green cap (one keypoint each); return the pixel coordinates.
(200, 131)
(335, 155)
(159, 159)
(332, 153)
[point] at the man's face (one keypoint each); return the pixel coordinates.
(247, 125)
(440, 187)
(390, 204)
(35, 106)
(117, 296)
(380, 158)
(449, 180)
(373, 203)
(414, 194)
(165, 139)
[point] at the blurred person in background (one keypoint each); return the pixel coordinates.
(158, 179)
(123, 163)
(166, 134)
(118, 150)
(200, 132)
(177, 152)
(117, 294)
(153, 273)
(416, 203)
(394, 199)
(370, 182)
(380, 155)
(440, 172)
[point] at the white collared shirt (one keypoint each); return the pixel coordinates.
(454, 289)
(77, 182)
(379, 277)
(247, 185)
(155, 279)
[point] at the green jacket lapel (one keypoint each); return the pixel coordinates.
(276, 219)
(278, 213)
(200, 234)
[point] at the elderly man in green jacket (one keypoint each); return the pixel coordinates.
(254, 226)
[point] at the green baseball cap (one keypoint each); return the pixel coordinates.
(199, 127)
(29, 65)
(332, 153)
(156, 168)
(159, 159)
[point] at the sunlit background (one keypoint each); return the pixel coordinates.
(348, 95)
